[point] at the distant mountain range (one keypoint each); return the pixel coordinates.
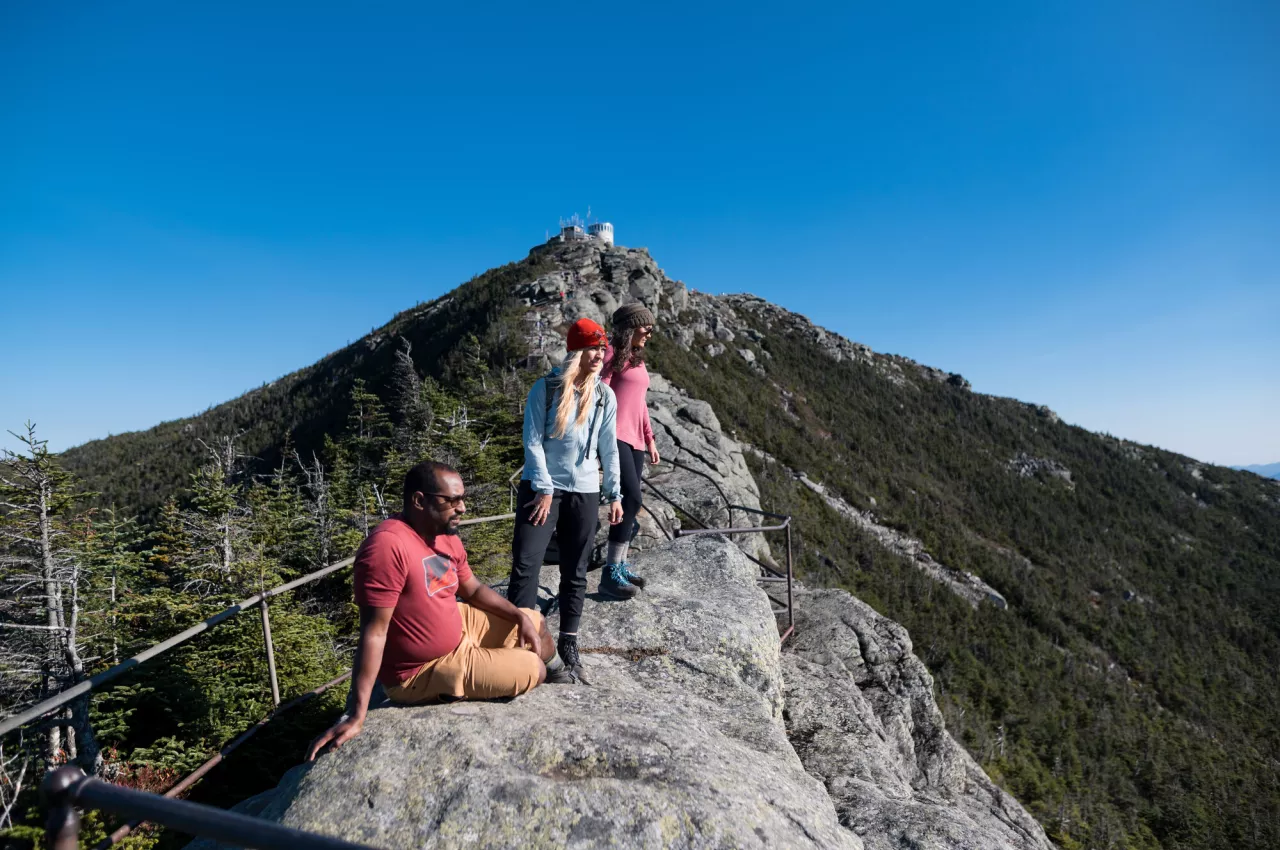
(1266, 470)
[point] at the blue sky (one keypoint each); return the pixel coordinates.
(1074, 204)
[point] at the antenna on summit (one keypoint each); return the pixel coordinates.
(572, 230)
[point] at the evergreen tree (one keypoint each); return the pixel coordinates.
(218, 523)
(412, 405)
(358, 460)
(113, 551)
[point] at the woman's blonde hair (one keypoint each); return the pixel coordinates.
(568, 378)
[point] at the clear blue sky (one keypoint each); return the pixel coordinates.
(1076, 204)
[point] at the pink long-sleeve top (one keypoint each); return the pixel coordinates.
(630, 387)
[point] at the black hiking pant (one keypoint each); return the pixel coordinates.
(631, 463)
(573, 518)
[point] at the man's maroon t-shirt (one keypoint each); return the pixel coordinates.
(395, 568)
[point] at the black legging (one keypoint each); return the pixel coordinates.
(573, 518)
(631, 463)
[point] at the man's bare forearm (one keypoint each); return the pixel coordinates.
(365, 670)
(487, 599)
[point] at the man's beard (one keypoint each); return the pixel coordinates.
(451, 527)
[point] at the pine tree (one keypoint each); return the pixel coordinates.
(113, 550)
(412, 406)
(218, 523)
(359, 459)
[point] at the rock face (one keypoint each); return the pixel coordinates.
(861, 714)
(1027, 466)
(592, 280)
(679, 741)
(711, 476)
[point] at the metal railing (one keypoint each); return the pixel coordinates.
(67, 788)
(769, 574)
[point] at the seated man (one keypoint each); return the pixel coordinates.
(416, 637)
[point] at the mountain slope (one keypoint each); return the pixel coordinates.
(1127, 694)
(137, 471)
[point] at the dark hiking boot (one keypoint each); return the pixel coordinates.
(563, 676)
(572, 674)
(613, 582)
(638, 581)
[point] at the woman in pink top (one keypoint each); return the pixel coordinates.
(625, 373)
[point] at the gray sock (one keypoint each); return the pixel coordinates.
(617, 552)
(555, 665)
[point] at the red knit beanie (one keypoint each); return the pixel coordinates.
(586, 334)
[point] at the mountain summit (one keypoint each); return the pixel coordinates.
(1100, 620)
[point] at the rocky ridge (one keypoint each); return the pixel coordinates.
(698, 729)
(964, 584)
(594, 280)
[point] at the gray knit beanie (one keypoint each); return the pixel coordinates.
(632, 316)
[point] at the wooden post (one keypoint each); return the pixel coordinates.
(271, 653)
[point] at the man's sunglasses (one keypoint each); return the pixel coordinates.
(453, 501)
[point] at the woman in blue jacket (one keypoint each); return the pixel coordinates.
(570, 432)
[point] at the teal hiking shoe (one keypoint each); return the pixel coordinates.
(638, 581)
(613, 582)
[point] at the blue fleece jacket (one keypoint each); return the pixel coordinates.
(572, 462)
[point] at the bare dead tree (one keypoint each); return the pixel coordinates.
(13, 775)
(318, 491)
(380, 501)
(43, 581)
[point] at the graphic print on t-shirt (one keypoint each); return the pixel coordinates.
(439, 573)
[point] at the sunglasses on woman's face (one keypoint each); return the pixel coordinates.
(647, 330)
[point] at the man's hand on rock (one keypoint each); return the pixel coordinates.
(336, 735)
(528, 634)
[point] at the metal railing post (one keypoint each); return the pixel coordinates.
(791, 602)
(768, 574)
(271, 653)
(62, 829)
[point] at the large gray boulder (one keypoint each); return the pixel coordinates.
(711, 474)
(862, 716)
(679, 741)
